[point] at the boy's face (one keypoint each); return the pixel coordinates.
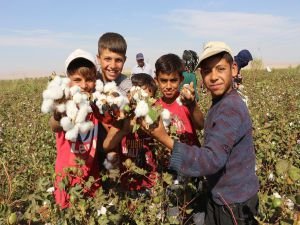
(169, 85)
(111, 64)
(217, 75)
(86, 84)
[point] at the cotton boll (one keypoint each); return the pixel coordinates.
(66, 81)
(61, 107)
(66, 123)
(141, 109)
(81, 114)
(121, 101)
(148, 120)
(72, 134)
(77, 97)
(74, 89)
(110, 99)
(54, 92)
(71, 109)
(110, 87)
(134, 88)
(144, 94)
(67, 92)
(136, 96)
(99, 85)
(166, 117)
(55, 82)
(47, 105)
(85, 127)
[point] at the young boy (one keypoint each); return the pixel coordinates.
(188, 117)
(81, 69)
(111, 57)
(135, 146)
(227, 158)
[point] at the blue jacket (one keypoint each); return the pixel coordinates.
(227, 157)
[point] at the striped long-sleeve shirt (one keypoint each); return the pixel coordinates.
(227, 157)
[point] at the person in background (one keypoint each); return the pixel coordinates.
(241, 59)
(227, 156)
(142, 66)
(190, 59)
(81, 69)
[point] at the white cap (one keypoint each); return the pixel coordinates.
(213, 48)
(79, 53)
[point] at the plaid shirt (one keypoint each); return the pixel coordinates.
(227, 157)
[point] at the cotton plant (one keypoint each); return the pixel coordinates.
(71, 103)
(142, 108)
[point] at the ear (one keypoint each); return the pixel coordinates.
(234, 69)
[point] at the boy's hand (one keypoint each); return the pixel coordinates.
(187, 94)
(159, 133)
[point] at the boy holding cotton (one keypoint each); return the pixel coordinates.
(227, 157)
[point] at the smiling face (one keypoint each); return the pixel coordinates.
(111, 64)
(217, 75)
(169, 85)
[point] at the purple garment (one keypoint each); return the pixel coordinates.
(227, 157)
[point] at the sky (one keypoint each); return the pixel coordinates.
(36, 36)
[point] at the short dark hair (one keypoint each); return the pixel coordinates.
(168, 64)
(143, 79)
(112, 41)
(221, 55)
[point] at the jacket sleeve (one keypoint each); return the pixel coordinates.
(220, 136)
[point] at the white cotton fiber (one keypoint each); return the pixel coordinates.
(53, 93)
(77, 97)
(110, 99)
(67, 92)
(71, 109)
(141, 109)
(110, 87)
(66, 123)
(47, 105)
(74, 89)
(81, 114)
(108, 165)
(61, 107)
(99, 85)
(85, 127)
(72, 134)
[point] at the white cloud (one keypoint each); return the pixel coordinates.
(269, 36)
(41, 38)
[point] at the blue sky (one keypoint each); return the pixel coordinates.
(37, 36)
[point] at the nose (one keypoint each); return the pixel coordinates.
(213, 75)
(83, 85)
(168, 85)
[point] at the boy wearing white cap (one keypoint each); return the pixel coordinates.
(227, 157)
(81, 70)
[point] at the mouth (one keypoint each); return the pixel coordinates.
(215, 87)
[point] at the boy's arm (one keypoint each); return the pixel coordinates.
(54, 122)
(161, 135)
(115, 136)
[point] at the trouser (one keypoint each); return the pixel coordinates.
(232, 214)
